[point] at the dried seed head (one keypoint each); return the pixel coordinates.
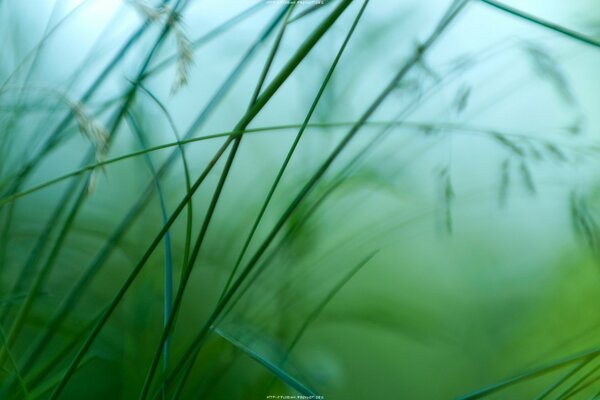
(547, 67)
(185, 53)
(185, 58)
(91, 129)
(152, 14)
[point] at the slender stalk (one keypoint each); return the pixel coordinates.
(168, 270)
(246, 119)
(292, 150)
(543, 23)
(459, 128)
(42, 241)
(198, 342)
(488, 390)
(236, 144)
(54, 138)
(314, 314)
(42, 275)
(581, 385)
(206, 38)
(14, 365)
(79, 288)
(555, 385)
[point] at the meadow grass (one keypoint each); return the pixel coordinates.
(39, 359)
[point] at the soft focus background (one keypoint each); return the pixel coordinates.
(452, 245)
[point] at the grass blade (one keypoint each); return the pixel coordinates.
(169, 325)
(291, 151)
(168, 274)
(79, 288)
(545, 24)
(196, 345)
(261, 101)
(562, 379)
(275, 370)
(488, 390)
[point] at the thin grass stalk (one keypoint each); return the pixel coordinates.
(569, 33)
(37, 375)
(187, 273)
(53, 138)
(186, 172)
(246, 119)
(216, 99)
(47, 268)
(324, 302)
(291, 151)
(494, 388)
(409, 125)
(309, 10)
(28, 168)
(204, 39)
(275, 370)
(555, 385)
(35, 51)
(14, 365)
(192, 351)
(168, 270)
(188, 232)
(572, 389)
(190, 365)
(314, 314)
(79, 288)
(210, 212)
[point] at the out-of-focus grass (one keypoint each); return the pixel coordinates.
(354, 199)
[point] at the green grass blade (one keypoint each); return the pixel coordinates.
(52, 222)
(291, 151)
(201, 41)
(326, 300)
(396, 123)
(562, 379)
(35, 51)
(210, 212)
(543, 23)
(14, 365)
(168, 273)
(196, 345)
(186, 171)
(275, 370)
(134, 212)
(261, 101)
(534, 373)
(54, 137)
(47, 268)
(580, 385)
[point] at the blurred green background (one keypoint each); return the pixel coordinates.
(472, 195)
